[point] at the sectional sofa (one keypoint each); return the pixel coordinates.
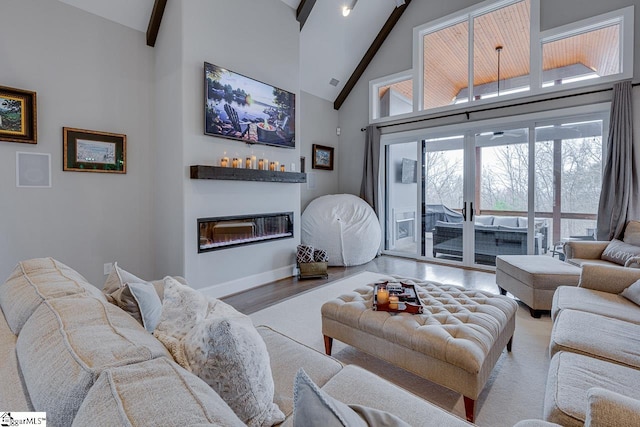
(595, 350)
(67, 351)
(494, 235)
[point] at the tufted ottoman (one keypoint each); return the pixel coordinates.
(456, 341)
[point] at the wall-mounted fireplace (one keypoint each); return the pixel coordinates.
(224, 232)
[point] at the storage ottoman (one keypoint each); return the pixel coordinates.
(534, 278)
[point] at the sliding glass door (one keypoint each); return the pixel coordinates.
(501, 195)
(464, 195)
(443, 189)
(569, 162)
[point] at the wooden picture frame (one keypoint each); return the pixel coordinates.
(18, 115)
(93, 151)
(322, 157)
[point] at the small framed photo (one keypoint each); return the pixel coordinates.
(322, 157)
(93, 151)
(18, 119)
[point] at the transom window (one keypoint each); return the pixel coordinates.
(496, 50)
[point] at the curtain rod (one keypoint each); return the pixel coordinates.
(467, 113)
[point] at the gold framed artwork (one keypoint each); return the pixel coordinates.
(18, 115)
(94, 151)
(322, 157)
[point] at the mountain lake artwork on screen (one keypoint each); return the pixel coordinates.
(245, 109)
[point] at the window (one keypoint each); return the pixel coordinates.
(501, 50)
(443, 81)
(589, 51)
(392, 95)
(495, 49)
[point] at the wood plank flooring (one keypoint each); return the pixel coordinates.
(271, 293)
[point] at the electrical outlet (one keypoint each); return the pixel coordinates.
(293, 167)
(107, 268)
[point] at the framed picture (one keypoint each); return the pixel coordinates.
(92, 151)
(18, 122)
(322, 157)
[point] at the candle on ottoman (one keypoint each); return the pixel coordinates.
(393, 302)
(383, 296)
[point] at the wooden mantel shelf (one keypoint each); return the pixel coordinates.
(237, 174)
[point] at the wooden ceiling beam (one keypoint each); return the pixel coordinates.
(304, 10)
(370, 54)
(154, 22)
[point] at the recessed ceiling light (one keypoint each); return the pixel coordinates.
(347, 8)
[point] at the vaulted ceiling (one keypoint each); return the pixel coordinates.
(331, 46)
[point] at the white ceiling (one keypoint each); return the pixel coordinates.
(331, 46)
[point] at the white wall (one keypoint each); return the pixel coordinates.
(395, 55)
(319, 122)
(88, 73)
(168, 214)
(259, 40)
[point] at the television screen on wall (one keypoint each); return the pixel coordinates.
(409, 171)
(248, 110)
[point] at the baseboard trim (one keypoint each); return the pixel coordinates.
(239, 285)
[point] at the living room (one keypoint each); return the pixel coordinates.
(92, 73)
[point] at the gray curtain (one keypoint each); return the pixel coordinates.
(619, 197)
(371, 174)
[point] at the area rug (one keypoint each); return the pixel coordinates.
(514, 392)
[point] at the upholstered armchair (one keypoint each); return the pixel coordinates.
(578, 252)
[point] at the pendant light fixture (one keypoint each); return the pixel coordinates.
(499, 49)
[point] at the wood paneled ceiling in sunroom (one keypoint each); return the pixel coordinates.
(446, 52)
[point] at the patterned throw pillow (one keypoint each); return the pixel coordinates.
(230, 356)
(221, 346)
(619, 252)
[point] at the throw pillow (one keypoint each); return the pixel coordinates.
(509, 221)
(312, 407)
(229, 354)
(619, 252)
(117, 278)
(182, 308)
(632, 233)
(135, 296)
(483, 219)
(141, 301)
(632, 293)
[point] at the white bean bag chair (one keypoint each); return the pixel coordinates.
(345, 226)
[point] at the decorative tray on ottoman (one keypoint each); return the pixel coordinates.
(384, 295)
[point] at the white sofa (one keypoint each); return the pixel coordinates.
(67, 351)
(595, 351)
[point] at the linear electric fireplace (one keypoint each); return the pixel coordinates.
(224, 232)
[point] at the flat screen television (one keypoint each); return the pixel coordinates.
(248, 110)
(409, 171)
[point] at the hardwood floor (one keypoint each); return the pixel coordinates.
(271, 293)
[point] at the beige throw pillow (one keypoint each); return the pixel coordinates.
(632, 233)
(230, 356)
